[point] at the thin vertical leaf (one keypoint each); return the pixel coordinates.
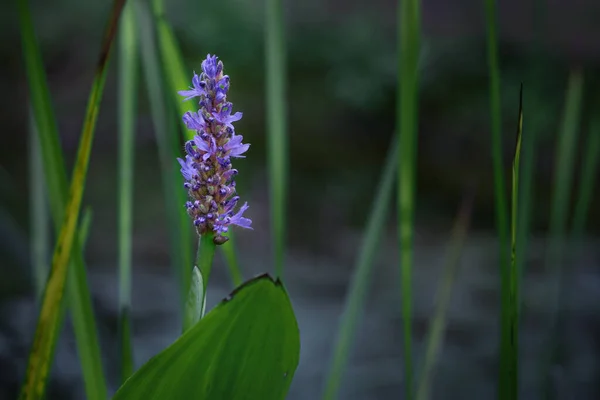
(196, 301)
(589, 172)
(49, 320)
(128, 81)
(563, 177)
(39, 215)
(407, 121)
(178, 78)
(359, 284)
(276, 127)
(509, 334)
(504, 379)
(178, 220)
(437, 328)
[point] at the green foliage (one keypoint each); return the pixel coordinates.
(66, 213)
(407, 122)
(167, 137)
(247, 347)
(277, 127)
(128, 85)
(355, 299)
(435, 338)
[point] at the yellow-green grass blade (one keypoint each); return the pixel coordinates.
(246, 348)
(359, 284)
(167, 136)
(435, 337)
(56, 180)
(178, 78)
(128, 91)
(407, 122)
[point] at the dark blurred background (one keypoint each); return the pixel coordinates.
(341, 93)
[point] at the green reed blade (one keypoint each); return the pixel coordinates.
(407, 120)
(57, 184)
(276, 127)
(49, 321)
(359, 284)
(589, 172)
(166, 132)
(437, 325)
(505, 379)
(555, 252)
(509, 324)
(178, 78)
(39, 213)
(128, 85)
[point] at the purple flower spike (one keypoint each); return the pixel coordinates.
(207, 170)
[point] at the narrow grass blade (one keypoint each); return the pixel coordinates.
(56, 180)
(563, 176)
(178, 78)
(39, 213)
(437, 328)
(49, 319)
(589, 172)
(128, 85)
(359, 284)
(276, 127)
(166, 133)
(196, 301)
(509, 324)
(504, 380)
(407, 121)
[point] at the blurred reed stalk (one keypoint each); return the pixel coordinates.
(437, 324)
(407, 120)
(169, 147)
(277, 127)
(127, 112)
(566, 146)
(39, 218)
(507, 379)
(361, 278)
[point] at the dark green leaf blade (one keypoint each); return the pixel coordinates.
(247, 347)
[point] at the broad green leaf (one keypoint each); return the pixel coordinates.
(196, 301)
(247, 347)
